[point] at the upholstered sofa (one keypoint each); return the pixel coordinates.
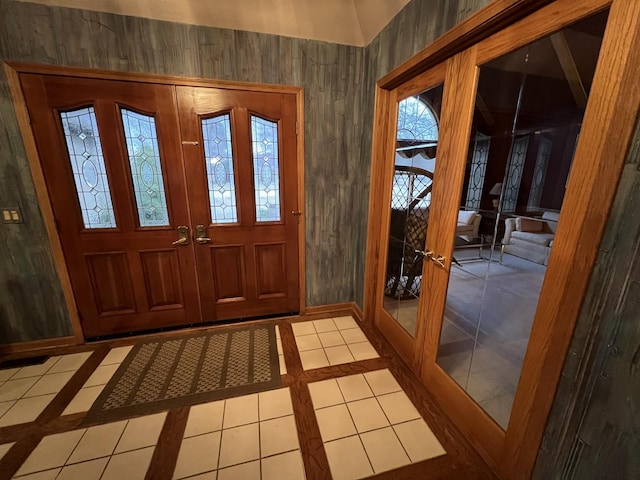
(530, 238)
(468, 224)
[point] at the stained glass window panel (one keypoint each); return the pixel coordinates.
(266, 171)
(539, 174)
(478, 169)
(218, 152)
(146, 170)
(87, 163)
(514, 176)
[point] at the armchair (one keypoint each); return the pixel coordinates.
(468, 224)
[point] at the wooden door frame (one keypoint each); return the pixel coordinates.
(13, 71)
(608, 125)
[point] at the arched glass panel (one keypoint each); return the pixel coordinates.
(146, 171)
(266, 172)
(87, 163)
(415, 162)
(218, 152)
(416, 121)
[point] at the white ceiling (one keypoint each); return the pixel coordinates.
(350, 22)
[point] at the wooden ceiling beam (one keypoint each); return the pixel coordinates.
(568, 64)
(481, 105)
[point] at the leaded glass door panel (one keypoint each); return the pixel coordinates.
(108, 151)
(240, 154)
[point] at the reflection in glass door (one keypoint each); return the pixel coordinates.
(529, 109)
(415, 161)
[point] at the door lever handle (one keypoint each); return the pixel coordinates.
(201, 235)
(430, 254)
(181, 241)
(439, 260)
(425, 253)
(183, 236)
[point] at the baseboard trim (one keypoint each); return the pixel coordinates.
(332, 308)
(357, 312)
(37, 345)
(349, 308)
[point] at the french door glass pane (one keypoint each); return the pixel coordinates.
(87, 163)
(415, 162)
(266, 171)
(218, 152)
(530, 108)
(146, 170)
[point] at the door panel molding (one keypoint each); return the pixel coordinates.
(271, 269)
(111, 284)
(159, 268)
(230, 260)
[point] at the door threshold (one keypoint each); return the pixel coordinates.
(177, 328)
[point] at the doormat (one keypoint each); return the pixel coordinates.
(176, 371)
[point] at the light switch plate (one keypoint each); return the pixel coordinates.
(10, 215)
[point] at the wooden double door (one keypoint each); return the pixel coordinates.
(174, 204)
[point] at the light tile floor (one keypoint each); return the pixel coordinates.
(367, 423)
(26, 391)
(97, 381)
(331, 341)
(370, 416)
(248, 437)
(112, 451)
(283, 365)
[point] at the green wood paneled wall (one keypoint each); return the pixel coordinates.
(594, 427)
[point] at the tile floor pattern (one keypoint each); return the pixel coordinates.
(249, 437)
(370, 416)
(113, 451)
(26, 391)
(283, 365)
(331, 341)
(95, 384)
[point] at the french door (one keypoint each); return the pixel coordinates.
(486, 167)
(173, 205)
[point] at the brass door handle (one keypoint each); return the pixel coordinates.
(183, 236)
(425, 253)
(439, 260)
(201, 235)
(430, 254)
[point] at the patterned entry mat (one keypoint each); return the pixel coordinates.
(175, 371)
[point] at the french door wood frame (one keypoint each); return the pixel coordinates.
(13, 71)
(611, 113)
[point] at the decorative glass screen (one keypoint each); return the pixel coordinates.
(216, 133)
(539, 174)
(89, 172)
(514, 175)
(266, 173)
(146, 171)
(478, 169)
